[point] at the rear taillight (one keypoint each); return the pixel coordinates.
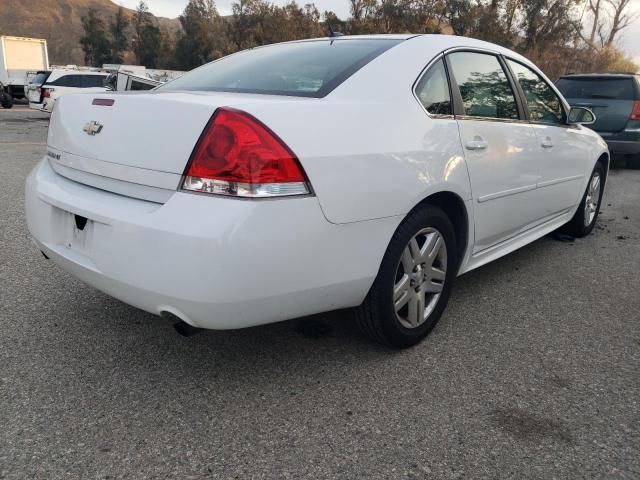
(46, 92)
(238, 155)
(635, 113)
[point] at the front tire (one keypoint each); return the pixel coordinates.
(586, 216)
(6, 100)
(413, 284)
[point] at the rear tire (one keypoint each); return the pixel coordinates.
(414, 281)
(633, 163)
(586, 216)
(6, 100)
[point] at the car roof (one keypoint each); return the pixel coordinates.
(600, 75)
(57, 73)
(387, 36)
(389, 77)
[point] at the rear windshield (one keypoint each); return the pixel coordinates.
(40, 78)
(304, 69)
(603, 88)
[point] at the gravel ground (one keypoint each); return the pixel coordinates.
(533, 371)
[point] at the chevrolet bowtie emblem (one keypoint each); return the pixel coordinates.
(92, 128)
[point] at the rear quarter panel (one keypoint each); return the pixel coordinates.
(370, 159)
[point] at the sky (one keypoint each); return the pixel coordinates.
(628, 41)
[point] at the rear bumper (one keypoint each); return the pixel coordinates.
(214, 262)
(37, 106)
(623, 147)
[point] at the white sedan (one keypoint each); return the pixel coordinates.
(303, 177)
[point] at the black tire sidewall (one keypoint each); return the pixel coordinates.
(6, 100)
(423, 217)
(578, 219)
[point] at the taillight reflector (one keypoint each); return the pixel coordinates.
(238, 155)
(635, 113)
(103, 102)
(45, 93)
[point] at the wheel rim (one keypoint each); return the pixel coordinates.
(420, 277)
(592, 199)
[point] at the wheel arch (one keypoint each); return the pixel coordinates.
(454, 207)
(605, 160)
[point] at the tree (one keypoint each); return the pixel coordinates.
(119, 42)
(148, 38)
(608, 19)
(398, 16)
(167, 53)
(95, 43)
(204, 36)
(259, 22)
(333, 23)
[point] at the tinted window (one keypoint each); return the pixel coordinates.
(485, 89)
(40, 78)
(136, 85)
(67, 81)
(308, 69)
(433, 90)
(603, 88)
(91, 81)
(544, 105)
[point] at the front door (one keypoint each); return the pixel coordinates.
(563, 150)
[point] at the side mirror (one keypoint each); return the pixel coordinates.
(581, 116)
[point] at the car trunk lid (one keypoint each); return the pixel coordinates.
(135, 144)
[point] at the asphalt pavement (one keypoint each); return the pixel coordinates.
(533, 371)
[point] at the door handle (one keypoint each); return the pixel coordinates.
(476, 144)
(547, 143)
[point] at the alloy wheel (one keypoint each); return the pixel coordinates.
(420, 277)
(592, 199)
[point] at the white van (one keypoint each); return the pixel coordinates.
(46, 87)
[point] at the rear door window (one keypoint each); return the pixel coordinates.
(484, 86)
(137, 85)
(40, 78)
(594, 88)
(305, 69)
(543, 103)
(433, 90)
(92, 81)
(67, 81)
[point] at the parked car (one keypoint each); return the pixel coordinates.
(615, 99)
(47, 87)
(126, 81)
(308, 176)
(33, 86)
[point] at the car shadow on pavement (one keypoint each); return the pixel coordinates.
(328, 338)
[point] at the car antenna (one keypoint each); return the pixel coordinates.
(333, 34)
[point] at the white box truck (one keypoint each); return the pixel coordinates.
(19, 55)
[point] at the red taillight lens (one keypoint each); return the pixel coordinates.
(238, 155)
(45, 93)
(635, 113)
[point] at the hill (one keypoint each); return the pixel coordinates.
(59, 22)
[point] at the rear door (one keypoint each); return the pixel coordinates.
(611, 99)
(500, 147)
(34, 86)
(562, 151)
(93, 83)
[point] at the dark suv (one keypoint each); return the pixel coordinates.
(615, 99)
